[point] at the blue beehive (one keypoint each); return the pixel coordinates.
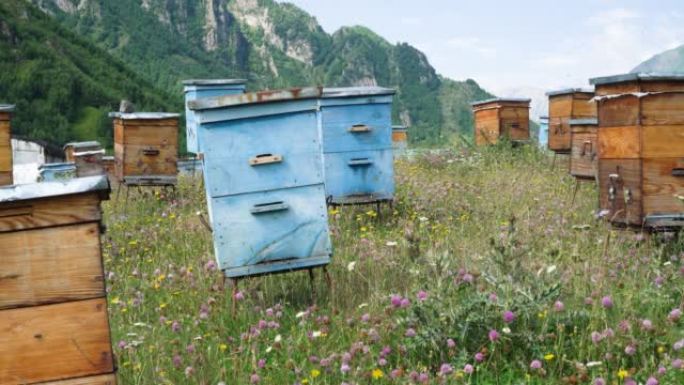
(263, 174)
(543, 131)
(357, 144)
(54, 172)
(205, 88)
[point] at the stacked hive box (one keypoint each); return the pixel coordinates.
(583, 155)
(75, 147)
(109, 166)
(399, 139)
(54, 172)
(53, 309)
(263, 172)
(205, 88)
(641, 148)
(6, 145)
(87, 156)
(146, 148)
(501, 118)
(543, 131)
(357, 144)
(565, 105)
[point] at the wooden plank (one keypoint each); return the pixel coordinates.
(617, 88)
(662, 86)
(560, 106)
(105, 379)
(41, 213)
(662, 109)
(522, 113)
(5, 158)
(663, 141)
(150, 135)
(583, 107)
(560, 134)
(6, 178)
(118, 131)
(661, 188)
(51, 265)
(516, 129)
(54, 342)
(138, 163)
(486, 126)
(583, 157)
(625, 207)
(619, 142)
(5, 133)
(622, 111)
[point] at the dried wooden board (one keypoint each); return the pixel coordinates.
(150, 135)
(583, 158)
(618, 112)
(5, 158)
(662, 109)
(663, 141)
(5, 133)
(515, 129)
(560, 106)
(617, 88)
(559, 134)
(137, 163)
(619, 142)
(40, 213)
(662, 86)
(629, 172)
(661, 188)
(6, 178)
(51, 265)
(583, 107)
(486, 126)
(54, 342)
(105, 379)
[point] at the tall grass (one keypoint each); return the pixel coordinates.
(483, 272)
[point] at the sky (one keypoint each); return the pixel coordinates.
(512, 46)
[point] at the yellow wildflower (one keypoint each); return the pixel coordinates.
(377, 374)
(305, 381)
(115, 301)
(661, 349)
(549, 357)
(315, 373)
(622, 373)
(223, 347)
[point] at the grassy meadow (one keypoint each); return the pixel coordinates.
(483, 272)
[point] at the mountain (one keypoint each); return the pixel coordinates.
(669, 61)
(63, 85)
(273, 45)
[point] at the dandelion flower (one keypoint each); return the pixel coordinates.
(315, 373)
(549, 357)
(377, 374)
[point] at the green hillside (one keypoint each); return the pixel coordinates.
(63, 86)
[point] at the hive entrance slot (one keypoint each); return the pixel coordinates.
(678, 172)
(150, 152)
(262, 159)
(360, 162)
(360, 128)
(263, 208)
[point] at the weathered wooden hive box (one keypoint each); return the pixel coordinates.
(109, 166)
(55, 172)
(263, 173)
(205, 88)
(357, 144)
(565, 105)
(501, 117)
(399, 139)
(6, 144)
(53, 308)
(584, 152)
(74, 147)
(641, 148)
(146, 148)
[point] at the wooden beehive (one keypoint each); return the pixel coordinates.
(263, 173)
(6, 144)
(356, 124)
(53, 308)
(565, 105)
(641, 148)
(146, 148)
(205, 88)
(583, 155)
(543, 132)
(74, 147)
(109, 166)
(399, 139)
(501, 118)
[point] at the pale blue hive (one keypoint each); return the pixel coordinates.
(205, 88)
(357, 144)
(264, 180)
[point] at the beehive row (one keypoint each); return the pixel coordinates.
(53, 309)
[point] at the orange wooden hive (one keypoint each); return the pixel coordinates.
(565, 105)
(584, 156)
(6, 144)
(74, 147)
(53, 307)
(146, 148)
(641, 149)
(499, 118)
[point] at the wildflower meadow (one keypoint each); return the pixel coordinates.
(484, 271)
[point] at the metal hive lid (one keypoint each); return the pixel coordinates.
(143, 115)
(636, 76)
(214, 82)
(399, 128)
(502, 100)
(53, 189)
(6, 107)
(583, 122)
(260, 97)
(567, 91)
(88, 144)
(349, 92)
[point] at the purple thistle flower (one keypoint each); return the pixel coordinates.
(122, 344)
(239, 296)
(190, 349)
(559, 306)
(346, 358)
(678, 364)
(382, 362)
(396, 373)
(674, 315)
(679, 345)
(410, 332)
(468, 369)
(493, 335)
(445, 369)
(175, 326)
(177, 361)
(508, 316)
(599, 381)
(422, 295)
(647, 325)
(659, 281)
(254, 378)
(596, 337)
(536, 365)
(652, 381)
(493, 297)
(413, 376)
(451, 343)
(662, 370)
(630, 381)
(423, 378)
(365, 318)
(479, 356)
(607, 302)
(261, 363)
(395, 300)
(468, 278)
(345, 368)
(630, 350)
